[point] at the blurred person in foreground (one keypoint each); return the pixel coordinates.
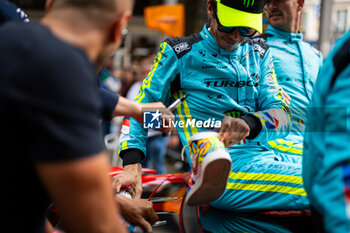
(297, 65)
(48, 84)
(326, 158)
(231, 80)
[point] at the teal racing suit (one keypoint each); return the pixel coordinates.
(297, 65)
(326, 158)
(238, 83)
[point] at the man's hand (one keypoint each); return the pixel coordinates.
(139, 212)
(130, 175)
(233, 130)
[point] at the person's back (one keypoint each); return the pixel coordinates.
(326, 156)
(38, 101)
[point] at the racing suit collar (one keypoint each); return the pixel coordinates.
(213, 46)
(293, 37)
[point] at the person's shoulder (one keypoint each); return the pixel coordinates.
(22, 41)
(36, 47)
(258, 44)
(49, 50)
(13, 29)
(32, 39)
(260, 40)
(183, 45)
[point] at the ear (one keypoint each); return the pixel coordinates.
(209, 9)
(48, 5)
(120, 25)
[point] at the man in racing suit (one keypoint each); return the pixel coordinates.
(326, 160)
(224, 76)
(296, 63)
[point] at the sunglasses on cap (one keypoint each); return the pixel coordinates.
(243, 31)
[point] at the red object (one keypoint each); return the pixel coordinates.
(117, 170)
(126, 121)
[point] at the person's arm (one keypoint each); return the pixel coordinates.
(273, 118)
(82, 194)
(135, 110)
(156, 87)
(115, 105)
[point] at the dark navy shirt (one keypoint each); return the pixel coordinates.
(49, 112)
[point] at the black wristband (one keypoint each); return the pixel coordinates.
(131, 156)
(254, 125)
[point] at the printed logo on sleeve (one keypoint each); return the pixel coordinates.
(181, 47)
(346, 180)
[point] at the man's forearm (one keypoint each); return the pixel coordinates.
(128, 108)
(82, 192)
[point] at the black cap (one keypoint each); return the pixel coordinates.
(251, 6)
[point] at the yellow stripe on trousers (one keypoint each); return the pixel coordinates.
(280, 147)
(266, 188)
(267, 177)
(288, 143)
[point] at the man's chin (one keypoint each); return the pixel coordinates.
(276, 22)
(230, 47)
(275, 19)
(230, 44)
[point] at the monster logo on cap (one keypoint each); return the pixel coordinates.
(248, 1)
(241, 13)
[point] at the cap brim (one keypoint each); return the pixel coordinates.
(230, 17)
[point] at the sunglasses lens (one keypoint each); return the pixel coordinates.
(246, 32)
(225, 29)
